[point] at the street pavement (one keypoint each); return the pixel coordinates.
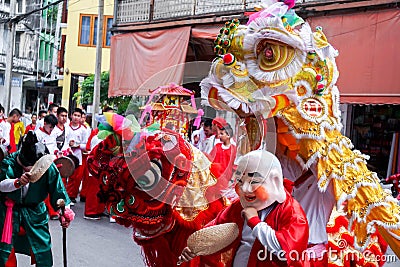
(92, 244)
(103, 244)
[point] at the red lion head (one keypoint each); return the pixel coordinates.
(144, 182)
(142, 186)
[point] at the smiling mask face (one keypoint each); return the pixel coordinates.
(259, 180)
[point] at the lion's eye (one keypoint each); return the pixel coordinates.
(150, 178)
(105, 179)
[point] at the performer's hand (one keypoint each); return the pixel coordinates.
(58, 153)
(186, 255)
(25, 178)
(249, 213)
(67, 217)
(72, 143)
(64, 222)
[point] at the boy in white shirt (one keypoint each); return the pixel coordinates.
(44, 133)
(77, 139)
(61, 131)
(52, 109)
(4, 129)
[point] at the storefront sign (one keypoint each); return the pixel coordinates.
(16, 82)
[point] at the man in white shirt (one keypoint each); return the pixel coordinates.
(4, 130)
(52, 109)
(208, 144)
(85, 124)
(77, 139)
(44, 133)
(61, 131)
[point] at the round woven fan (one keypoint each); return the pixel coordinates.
(212, 239)
(65, 165)
(40, 167)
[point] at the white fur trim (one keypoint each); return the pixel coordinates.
(306, 34)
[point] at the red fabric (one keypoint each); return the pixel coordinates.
(93, 133)
(159, 62)
(85, 175)
(92, 186)
(64, 180)
(253, 222)
(12, 259)
(220, 122)
(13, 145)
(222, 163)
(74, 181)
(52, 212)
(30, 127)
(319, 262)
(291, 229)
(206, 31)
(17, 183)
(92, 204)
(322, 262)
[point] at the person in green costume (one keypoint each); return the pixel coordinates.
(23, 215)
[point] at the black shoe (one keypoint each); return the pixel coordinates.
(82, 199)
(92, 217)
(73, 200)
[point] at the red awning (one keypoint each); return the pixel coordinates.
(141, 61)
(368, 45)
(206, 32)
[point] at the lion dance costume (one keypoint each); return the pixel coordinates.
(155, 182)
(277, 68)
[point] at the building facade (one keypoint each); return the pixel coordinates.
(80, 33)
(36, 45)
(25, 46)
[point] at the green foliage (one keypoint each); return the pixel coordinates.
(85, 96)
(51, 14)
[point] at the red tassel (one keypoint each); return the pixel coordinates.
(7, 228)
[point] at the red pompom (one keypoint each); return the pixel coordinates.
(228, 59)
(318, 77)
